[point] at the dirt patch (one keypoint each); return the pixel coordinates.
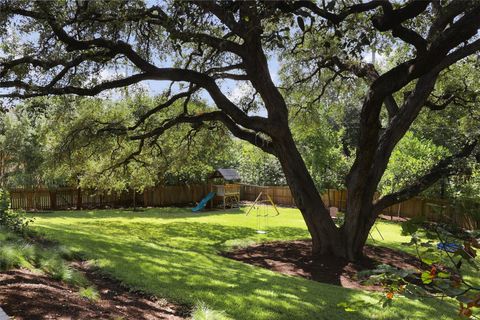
(28, 295)
(294, 258)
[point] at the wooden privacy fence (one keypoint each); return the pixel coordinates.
(69, 198)
(432, 209)
(463, 214)
(281, 195)
(174, 195)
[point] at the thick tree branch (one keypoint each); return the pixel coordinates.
(173, 74)
(241, 133)
(411, 37)
(394, 17)
(223, 15)
(368, 72)
(459, 54)
(446, 167)
(294, 6)
(119, 47)
(38, 91)
(375, 150)
(213, 70)
(232, 76)
(222, 44)
(391, 106)
(414, 103)
(447, 14)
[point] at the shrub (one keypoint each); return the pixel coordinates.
(77, 279)
(65, 252)
(89, 293)
(9, 257)
(56, 268)
(203, 312)
(12, 220)
(6, 235)
(29, 251)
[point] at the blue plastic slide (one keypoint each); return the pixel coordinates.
(201, 205)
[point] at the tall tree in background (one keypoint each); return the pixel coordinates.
(22, 150)
(82, 150)
(204, 46)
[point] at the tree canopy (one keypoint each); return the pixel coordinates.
(207, 47)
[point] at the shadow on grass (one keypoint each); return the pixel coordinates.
(188, 272)
(178, 260)
(163, 213)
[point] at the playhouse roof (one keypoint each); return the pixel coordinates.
(226, 174)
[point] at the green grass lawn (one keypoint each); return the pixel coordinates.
(172, 253)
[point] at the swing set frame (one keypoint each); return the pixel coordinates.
(268, 200)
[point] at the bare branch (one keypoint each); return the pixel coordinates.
(127, 159)
(163, 106)
(232, 76)
(437, 107)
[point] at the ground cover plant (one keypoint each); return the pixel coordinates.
(17, 252)
(38, 280)
(444, 251)
(173, 253)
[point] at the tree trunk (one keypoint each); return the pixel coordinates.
(345, 242)
(356, 229)
(326, 237)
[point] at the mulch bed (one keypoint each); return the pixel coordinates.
(294, 258)
(28, 295)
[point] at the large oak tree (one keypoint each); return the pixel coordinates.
(51, 48)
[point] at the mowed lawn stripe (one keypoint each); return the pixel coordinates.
(173, 253)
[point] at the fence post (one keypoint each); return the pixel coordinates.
(145, 197)
(12, 206)
(291, 196)
(53, 200)
(79, 198)
(29, 200)
(423, 207)
(340, 208)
